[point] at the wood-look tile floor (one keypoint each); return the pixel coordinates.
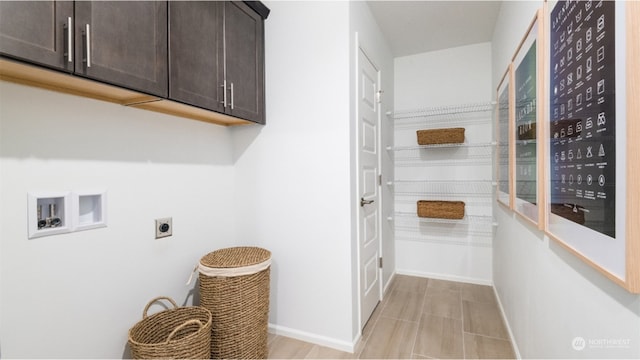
(420, 319)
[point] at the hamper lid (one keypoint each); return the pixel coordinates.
(235, 257)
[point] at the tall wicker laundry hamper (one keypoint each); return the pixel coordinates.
(234, 286)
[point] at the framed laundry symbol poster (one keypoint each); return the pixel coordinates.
(504, 130)
(592, 186)
(528, 81)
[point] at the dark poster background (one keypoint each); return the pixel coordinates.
(526, 110)
(583, 113)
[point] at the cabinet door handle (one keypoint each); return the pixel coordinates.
(69, 39)
(88, 44)
(224, 93)
(231, 96)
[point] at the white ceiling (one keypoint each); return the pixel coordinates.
(413, 27)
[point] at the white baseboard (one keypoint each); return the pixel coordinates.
(319, 339)
(506, 323)
(313, 338)
(386, 286)
(444, 277)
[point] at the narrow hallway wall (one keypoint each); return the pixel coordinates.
(550, 297)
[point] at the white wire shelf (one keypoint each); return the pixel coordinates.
(442, 154)
(443, 231)
(474, 159)
(444, 110)
(475, 241)
(429, 163)
(412, 199)
(460, 114)
(481, 188)
(489, 145)
(466, 220)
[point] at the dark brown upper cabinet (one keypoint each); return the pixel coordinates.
(38, 31)
(123, 43)
(244, 61)
(216, 58)
(195, 51)
(198, 59)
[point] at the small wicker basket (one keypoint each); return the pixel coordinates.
(177, 333)
(440, 136)
(441, 209)
(234, 286)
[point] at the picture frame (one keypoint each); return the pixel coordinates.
(504, 141)
(527, 150)
(592, 186)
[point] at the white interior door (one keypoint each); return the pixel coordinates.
(369, 201)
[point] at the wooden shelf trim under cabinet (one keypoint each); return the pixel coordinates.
(30, 75)
(192, 112)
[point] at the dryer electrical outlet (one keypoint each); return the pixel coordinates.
(164, 228)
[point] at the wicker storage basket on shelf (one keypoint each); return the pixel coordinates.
(177, 333)
(440, 136)
(441, 209)
(234, 286)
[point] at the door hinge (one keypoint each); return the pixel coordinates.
(380, 262)
(380, 180)
(379, 96)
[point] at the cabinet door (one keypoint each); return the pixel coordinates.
(244, 55)
(195, 76)
(123, 43)
(37, 31)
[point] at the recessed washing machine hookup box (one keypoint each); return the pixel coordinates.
(48, 213)
(52, 213)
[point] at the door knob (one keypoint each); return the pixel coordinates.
(364, 202)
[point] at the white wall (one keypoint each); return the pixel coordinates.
(295, 178)
(76, 295)
(453, 76)
(447, 77)
(548, 295)
(293, 193)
